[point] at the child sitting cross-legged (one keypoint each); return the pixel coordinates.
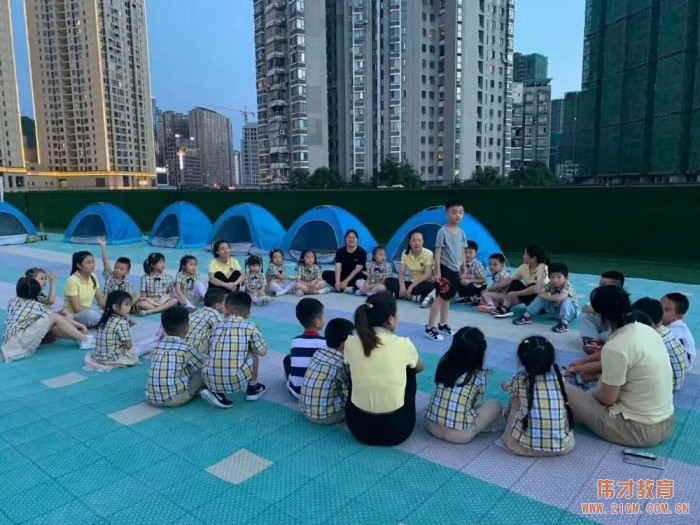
(189, 289)
(157, 287)
(175, 370)
(28, 321)
(113, 346)
(456, 411)
(117, 278)
(378, 271)
(499, 272)
(558, 299)
(276, 275)
(234, 355)
(309, 313)
(473, 278)
(309, 279)
(324, 391)
(203, 320)
(255, 282)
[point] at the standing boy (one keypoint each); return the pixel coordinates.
(449, 262)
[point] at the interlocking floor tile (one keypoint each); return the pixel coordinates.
(239, 467)
(65, 380)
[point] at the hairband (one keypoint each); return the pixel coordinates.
(369, 305)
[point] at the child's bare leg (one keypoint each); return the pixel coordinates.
(64, 329)
(302, 287)
(444, 311)
(435, 309)
(256, 368)
(167, 304)
(380, 288)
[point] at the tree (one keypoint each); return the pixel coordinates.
(488, 176)
(534, 174)
(299, 178)
(357, 180)
(324, 178)
(392, 173)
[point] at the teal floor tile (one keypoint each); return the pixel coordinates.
(421, 474)
(274, 484)
(185, 435)
(156, 426)
(272, 516)
(69, 460)
(48, 445)
(211, 450)
(141, 456)
(37, 429)
(382, 459)
(117, 496)
(72, 513)
(196, 490)
(166, 473)
(11, 459)
(91, 478)
(236, 506)
(153, 510)
(309, 462)
(77, 416)
(97, 427)
(120, 440)
(515, 509)
(37, 501)
(312, 503)
(274, 447)
(19, 418)
(448, 511)
(362, 475)
(23, 478)
(384, 500)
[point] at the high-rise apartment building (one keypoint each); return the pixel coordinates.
(236, 169)
(556, 132)
(531, 123)
(638, 112)
(172, 126)
(214, 136)
(11, 153)
(529, 68)
(92, 90)
(250, 156)
(290, 61)
(423, 82)
(188, 172)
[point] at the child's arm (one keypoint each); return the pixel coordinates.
(437, 258)
(105, 258)
(180, 293)
(588, 309)
(51, 299)
(500, 285)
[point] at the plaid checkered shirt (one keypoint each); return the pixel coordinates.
(547, 427)
(111, 339)
(476, 270)
(255, 282)
(186, 282)
(22, 313)
(378, 273)
(308, 275)
(112, 285)
(454, 407)
(173, 362)
(230, 364)
(503, 274)
(156, 286)
(202, 323)
(324, 391)
(275, 272)
(677, 354)
(567, 290)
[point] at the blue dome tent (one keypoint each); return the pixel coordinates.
(180, 225)
(248, 228)
(428, 222)
(102, 220)
(322, 229)
(15, 227)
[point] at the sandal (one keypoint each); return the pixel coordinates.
(560, 328)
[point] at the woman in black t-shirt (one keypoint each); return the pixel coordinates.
(350, 264)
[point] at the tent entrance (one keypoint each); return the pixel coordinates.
(236, 231)
(89, 230)
(318, 236)
(167, 233)
(12, 231)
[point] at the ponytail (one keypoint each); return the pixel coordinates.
(152, 259)
(569, 413)
(364, 331)
(530, 398)
(373, 314)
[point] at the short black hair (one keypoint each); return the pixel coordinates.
(614, 275)
(473, 245)
(308, 310)
(651, 307)
(680, 301)
(214, 296)
(559, 268)
(337, 332)
(28, 288)
(174, 320)
(238, 303)
(498, 257)
(452, 203)
(124, 260)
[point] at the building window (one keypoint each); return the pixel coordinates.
(100, 182)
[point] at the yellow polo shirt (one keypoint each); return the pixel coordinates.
(416, 265)
(379, 381)
(227, 268)
(528, 276)
(84, 290)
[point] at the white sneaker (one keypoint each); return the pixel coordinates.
(265, 300)
(358, 292)
(433, 334)
(322, 291)
(88, 344)
(427, 301)
(299, 293)
(350, 290)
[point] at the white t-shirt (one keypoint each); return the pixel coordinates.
(682, 332)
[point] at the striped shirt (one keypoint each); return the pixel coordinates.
(202, 323)
(112, 285)
(303, 349)
(378, 273)
(326, 384)
(677, 354)
(454, 407)
(308, 275)
(186, 283)
(22, 313)
(173, 362)
(111, 339)
(156, 286)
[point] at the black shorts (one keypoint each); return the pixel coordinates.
(449, 283)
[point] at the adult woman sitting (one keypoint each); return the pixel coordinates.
(633, 402)
(81, 291)
(224, 271)
(381, 409)
(350, 262)
(418, 262)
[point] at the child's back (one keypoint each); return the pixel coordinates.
(677, 354)
(455, 407)
(112, 336)
(173, 364)
(202, 323)
(303, 349)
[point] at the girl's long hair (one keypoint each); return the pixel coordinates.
(408, 241)
(185, 260)
(373, 314)
(537, 251)
(465, 356)
(115, 298)
(152, 259)
(77, 259)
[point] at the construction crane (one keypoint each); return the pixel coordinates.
(244, 111)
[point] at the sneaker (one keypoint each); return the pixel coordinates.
(560, 328)
(502, 312)
(475, 302)
(350, 290)
(445, 329)
(321, 291)
(433, 334)
(463, 300)
(417, 299)
(486, 309)
(254, 392)
(88, 344)
(523, 319)
(358, 292)
(214, 399)
(265, 300)
(273, 293)
(426, 302)
(299, 293)
(144, 313)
